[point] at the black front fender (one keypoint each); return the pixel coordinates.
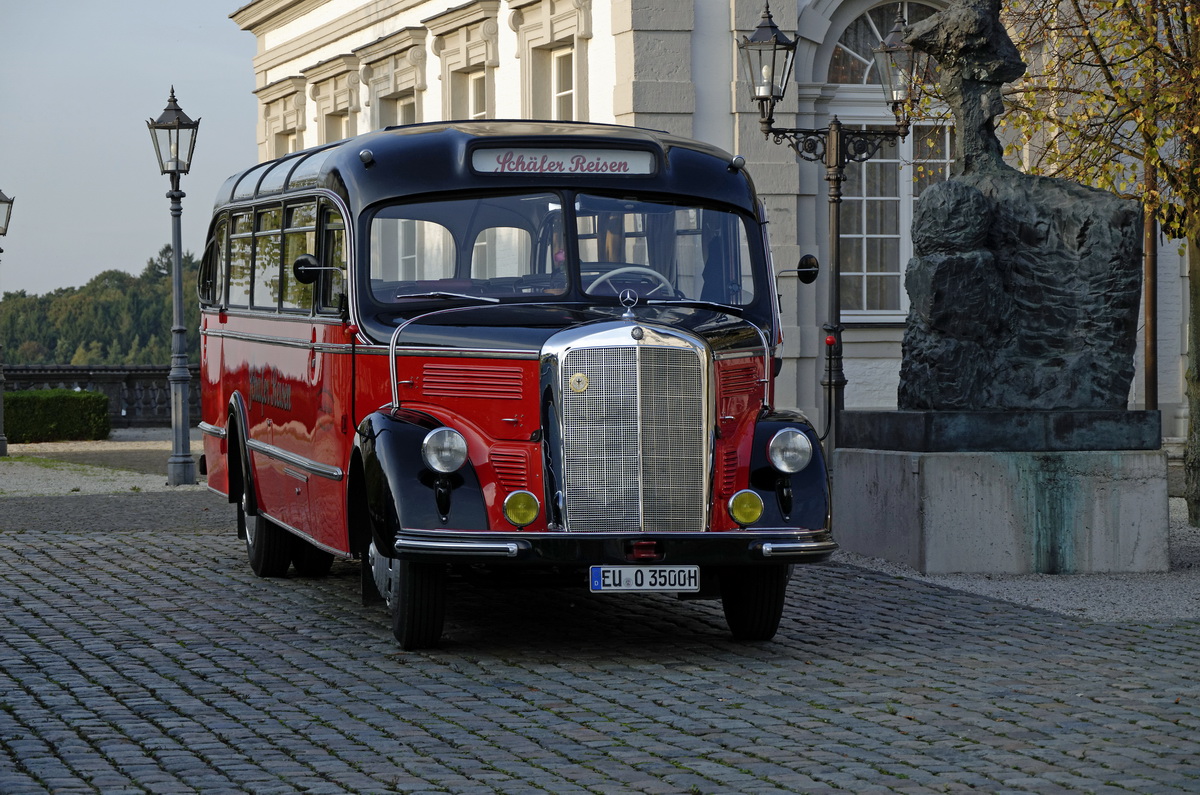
(401, 492)
(797, 500)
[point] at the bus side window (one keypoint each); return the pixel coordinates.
(299, 237)
(240, 248)
(331, 286)
(212, 269)
(266, 259)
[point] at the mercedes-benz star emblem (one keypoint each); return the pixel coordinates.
(629, 300)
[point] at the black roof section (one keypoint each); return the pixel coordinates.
(436, 157)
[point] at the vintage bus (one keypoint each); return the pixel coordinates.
(483, 346)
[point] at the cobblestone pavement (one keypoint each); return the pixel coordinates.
(149, 659)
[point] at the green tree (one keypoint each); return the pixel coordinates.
(1112, 99)
(116, 318)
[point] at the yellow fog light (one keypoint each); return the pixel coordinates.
(521, 508)
(745, 507)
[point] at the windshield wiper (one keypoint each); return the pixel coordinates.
(442, 294)
(697, 303)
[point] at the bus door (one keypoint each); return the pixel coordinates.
(275, 335)
(330, 379)
(210, 288)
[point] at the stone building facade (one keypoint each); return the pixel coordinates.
(329, 69)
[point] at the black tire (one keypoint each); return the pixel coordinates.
(268, 546)
(309, 560)
(752, 598)
(419, 604)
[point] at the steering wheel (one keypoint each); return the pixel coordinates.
(633, 270)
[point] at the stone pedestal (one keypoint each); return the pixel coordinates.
(1054, 507)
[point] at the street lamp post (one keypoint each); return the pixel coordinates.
(174, 136)
(6, 204)
(768, 56)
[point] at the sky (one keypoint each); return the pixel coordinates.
(81, 78)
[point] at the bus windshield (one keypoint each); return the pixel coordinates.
(567, 245)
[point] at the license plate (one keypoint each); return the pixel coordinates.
(644, 578)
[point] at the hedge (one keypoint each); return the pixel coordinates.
(55, 415)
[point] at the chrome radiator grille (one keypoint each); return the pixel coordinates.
(635, 451)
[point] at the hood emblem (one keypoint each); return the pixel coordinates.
(579, 383)
(628, 300)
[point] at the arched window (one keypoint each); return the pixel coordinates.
(878, 195)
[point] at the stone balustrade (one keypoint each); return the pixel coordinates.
(138, 395)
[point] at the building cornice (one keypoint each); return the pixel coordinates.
(391, 44)
(461, 16)
(262, 16)
(337, 65)
(284, 87)
(265, 16)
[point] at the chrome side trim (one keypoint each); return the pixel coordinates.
(312, 467)
(209, 429)
(508, 549)
(456, 353)
(281, 342)
(306, 537)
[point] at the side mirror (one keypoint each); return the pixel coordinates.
(807, 269)
(306, 269)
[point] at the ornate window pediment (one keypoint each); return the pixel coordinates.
(467, 43)
(394, 72)
(283, 110)
(334, 89)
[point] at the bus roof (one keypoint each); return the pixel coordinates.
(441, 156)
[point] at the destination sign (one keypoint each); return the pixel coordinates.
(592, 162)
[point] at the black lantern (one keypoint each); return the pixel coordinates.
(768, 56)
(174, 136)
(6, 204)
(896, 63)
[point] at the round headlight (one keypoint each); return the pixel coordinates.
(790, 451)
(746, 507)
(444, 450)
(521, 508)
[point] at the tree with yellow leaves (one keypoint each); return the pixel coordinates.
(1111, 98)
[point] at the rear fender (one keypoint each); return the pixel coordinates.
(401, 492)
(241, 476)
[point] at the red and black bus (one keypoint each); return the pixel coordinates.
(470, 346)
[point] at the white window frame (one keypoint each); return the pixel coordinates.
(466, 41)
(558, 93)
(860, 105)
(546, 31)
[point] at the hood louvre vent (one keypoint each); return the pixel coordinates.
(466, 381)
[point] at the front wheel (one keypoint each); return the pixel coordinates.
(418, 604)
(752, 598)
